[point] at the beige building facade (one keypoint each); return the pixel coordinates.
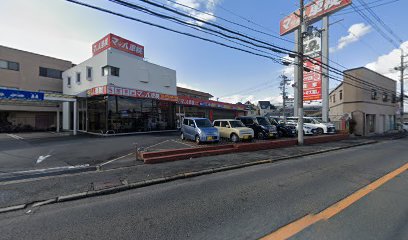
(371, 104)
(21, 70)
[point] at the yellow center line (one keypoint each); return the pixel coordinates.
(295, 227)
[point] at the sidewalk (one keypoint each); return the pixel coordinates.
(68, 187)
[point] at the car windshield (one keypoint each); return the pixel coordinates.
(317, 121)
(273, 121)
(235, 124)
(203, 123)
(263, 121)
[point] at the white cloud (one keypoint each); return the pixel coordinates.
(207, 6)
(385, 64)
(355, 33)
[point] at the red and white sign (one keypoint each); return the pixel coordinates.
(127, 92)
(314, 11)
(312, 81)
(113, 41)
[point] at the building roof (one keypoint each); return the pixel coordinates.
(360, 68)
(195, 92)
(367, 69)
(32, 53)
(264, 104)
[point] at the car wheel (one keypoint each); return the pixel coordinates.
(234, 138)
(182, 136)
(280, 134)
(319, 131)
(260, 135)
(197, 139)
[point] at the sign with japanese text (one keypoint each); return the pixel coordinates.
(312, 81)
(184, 100)
(127, 92)
(313, 12)
(21, 95)
(113, 41)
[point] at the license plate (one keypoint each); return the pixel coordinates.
(209, 138)
(246, 136)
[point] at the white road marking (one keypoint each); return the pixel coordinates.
(116, 159)
(42, 158)
(154, 145)
(53, 168)
(15, 136)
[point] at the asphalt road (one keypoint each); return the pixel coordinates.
(22, 154)
(247, 203)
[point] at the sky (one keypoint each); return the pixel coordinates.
(64, 30)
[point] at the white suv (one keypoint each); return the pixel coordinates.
(322, 128)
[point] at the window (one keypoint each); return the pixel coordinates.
(341, 94)
(374, 94)
(216, 123)
(9, 65)
(110, 71)
(50, 73)
(89, 73)
(78, 77)
(115, 71)
(334, 98)
(224, 124)
(394, 98)
(185, 121)
(385, 97)
(69, 81)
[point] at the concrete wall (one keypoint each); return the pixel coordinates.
(28, 78)
(80, 88)
(358, 101)
(139, 74)
(134, 73)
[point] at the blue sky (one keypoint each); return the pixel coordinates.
(64, 30)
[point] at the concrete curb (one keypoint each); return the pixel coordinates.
(179, 176)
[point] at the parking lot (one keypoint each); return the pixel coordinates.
(48, 150)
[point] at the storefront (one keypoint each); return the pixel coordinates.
(195, 107)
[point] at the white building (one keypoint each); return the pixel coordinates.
(119, 90)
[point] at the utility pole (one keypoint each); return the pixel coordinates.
(402, 88)
(325, 69)
(402, 68)
(300, 74)
(283, 84)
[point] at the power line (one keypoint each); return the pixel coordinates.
(376, 17)
(369, 4)
(179, 32)
(375, 26)
(136, 7)
(229, 21)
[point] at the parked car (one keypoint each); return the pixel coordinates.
(199, 130)
(307, 128)
(283, 129)
(233, 129)
(322, 127)
(262, 127)
(403, 127)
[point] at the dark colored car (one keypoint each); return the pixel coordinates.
(283, 130)
(262, 127)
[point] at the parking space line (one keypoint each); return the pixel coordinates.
(15, 136)
(110, 161)
(299, 225)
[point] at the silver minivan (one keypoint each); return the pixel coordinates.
(199, 130)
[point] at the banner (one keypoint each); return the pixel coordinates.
(21, 95)
(312, 80)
